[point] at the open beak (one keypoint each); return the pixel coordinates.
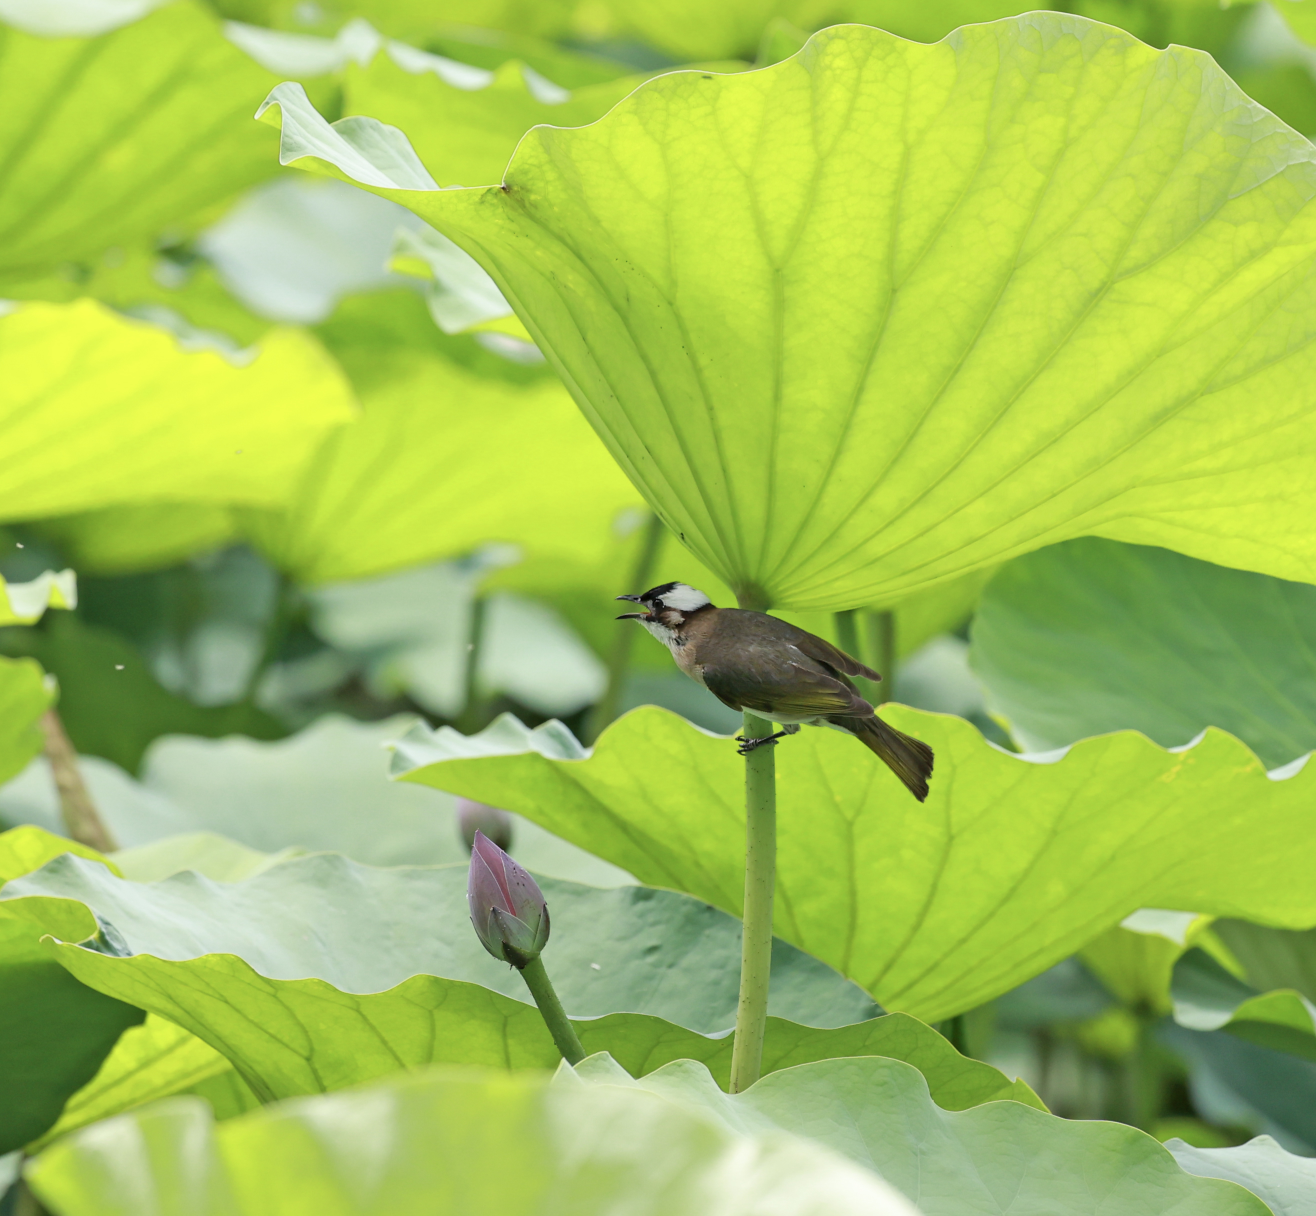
(632, 616)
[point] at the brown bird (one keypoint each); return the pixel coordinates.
(765, 666)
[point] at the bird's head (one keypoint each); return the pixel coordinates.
(666, 607)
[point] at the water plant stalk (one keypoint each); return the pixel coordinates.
(760, 880)
(883, 631)
(471, 718)
(619, 657)
(555, 1017)
(81, 819)
(847, 637)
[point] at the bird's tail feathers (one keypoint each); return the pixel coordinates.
(909, 758)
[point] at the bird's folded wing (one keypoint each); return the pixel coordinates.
(794, 690)
(822, 651)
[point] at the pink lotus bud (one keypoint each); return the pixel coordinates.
(475, 817)
(507, 906)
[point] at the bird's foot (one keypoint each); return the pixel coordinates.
(748, 745)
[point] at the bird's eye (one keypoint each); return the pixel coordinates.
(657, 605)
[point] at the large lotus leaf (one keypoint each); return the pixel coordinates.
(469, 461)
(24, 697)
(319, 973)
(1093, 636)
(886, 313)
(1012, 863)
(452, 1143)
(98, 410)
(54, 1031)
(107, 140)
(24, 603)
(156, 1059)
(1284, 1180)
(1000, 1158)
(1207, 997)
(131, 539)
(467, 135)
(1136, 959)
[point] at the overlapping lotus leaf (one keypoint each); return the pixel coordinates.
(886, 313)
(1011, 865)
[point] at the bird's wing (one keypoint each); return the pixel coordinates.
(822, 651)
(792, 689)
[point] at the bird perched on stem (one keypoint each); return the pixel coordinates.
(762, 665)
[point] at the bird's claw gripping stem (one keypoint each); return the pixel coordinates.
(748, 745)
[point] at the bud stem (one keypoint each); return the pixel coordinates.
(550, 1008)
(760, 877)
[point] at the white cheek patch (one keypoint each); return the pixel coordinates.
(684, 599)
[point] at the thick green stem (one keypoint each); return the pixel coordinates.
(471, 718)
(550, 1008)
(619, 657)
(760, 877)
(883, 627)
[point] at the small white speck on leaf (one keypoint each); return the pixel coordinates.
(19, 543)
(595, 967)
(118, 667)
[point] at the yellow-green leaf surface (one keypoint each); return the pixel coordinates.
(441, 462)
(128, 539)
(23, 603)
(453, 1143)
(467, 135)
(24, 697)
(98, 410)
(108, 139)
(886, 313)
(319, 973)
(935, 908)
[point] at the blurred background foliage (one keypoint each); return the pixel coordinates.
(383, 506)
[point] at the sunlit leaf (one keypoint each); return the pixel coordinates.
(887, 313)
(97, 410)
(452, 1143)
(469, 461)
(1011, 865)
(24, 697)
(372, 970)
(1000, 1158)
(1285, 1181)
(154, 1060)
(54, 1032)
(23, 603)
(1093, 636)
(109, 139)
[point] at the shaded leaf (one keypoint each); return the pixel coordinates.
(24, 697)
(1272, 958)
(1011, 865)
(97, 410)
(1093, 636)
(444, 1148)
(371, 970)
(54, 1032)
(131, 539)
(999, 1158)
(884, 313)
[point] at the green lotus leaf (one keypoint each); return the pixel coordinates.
(319, 973)
(454, 1142)
(1011, 865)
(878, 1113)
(1284, 1180)
(131, 539)
(97, 410)
(886, 313)
(1207, 997)
(24, 697)
(55, 1031)
(23, 603)
(469, 461)
(1093, 636)
(109, 139)
(156, 1059)
(1270, 958)
(1136, 959)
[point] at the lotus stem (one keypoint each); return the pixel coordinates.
(555, 1017)
(883, 627)
(760, 879)
(470, 719)
(619, 657)
(847, 637)
(81, 819)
